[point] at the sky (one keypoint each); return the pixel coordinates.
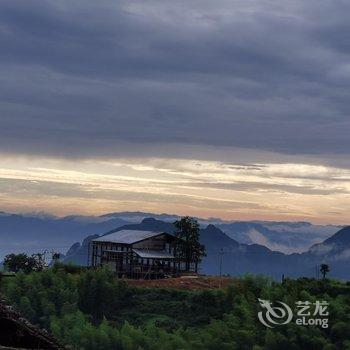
(230, 109)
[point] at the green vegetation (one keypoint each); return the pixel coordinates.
(324, 270)
(90, 309)
(23, 262)
(188, 247)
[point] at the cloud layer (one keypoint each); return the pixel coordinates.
(87, 78)
(192, 187)
(238, 109)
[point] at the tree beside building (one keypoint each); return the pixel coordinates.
(188, 246)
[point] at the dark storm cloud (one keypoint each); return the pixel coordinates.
(84, 78)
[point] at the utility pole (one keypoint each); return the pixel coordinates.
(88, 254)
(55, 257)
(40, 260)
(221, 253)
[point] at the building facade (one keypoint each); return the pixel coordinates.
(137, 254)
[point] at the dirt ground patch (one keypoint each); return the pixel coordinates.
(185, 282)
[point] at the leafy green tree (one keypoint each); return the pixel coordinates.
(91, 309)
(188, 246)
(324, 270)
(340, 331)
(100, 294)
(20, 262)
(26, 308)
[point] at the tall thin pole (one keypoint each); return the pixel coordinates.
(221, 253)
(88, 255)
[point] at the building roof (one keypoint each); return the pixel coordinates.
(18, 333)
(153, 254)
(127, 236)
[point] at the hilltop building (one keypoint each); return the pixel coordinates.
(137, 254)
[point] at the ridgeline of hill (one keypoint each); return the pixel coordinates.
(37, 232)
(239, 258)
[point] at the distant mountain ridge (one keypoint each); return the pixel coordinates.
(341, 237)
(287, 237)
(241, 258)
(284, 237)
(36, 232)
(30, 234)
(251, 246)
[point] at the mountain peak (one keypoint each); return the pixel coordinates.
(341, 237)
(152, 222)
(212, 227)
(213, 236)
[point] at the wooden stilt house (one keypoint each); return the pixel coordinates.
(137, 254)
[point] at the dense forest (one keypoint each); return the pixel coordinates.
(90, 309)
